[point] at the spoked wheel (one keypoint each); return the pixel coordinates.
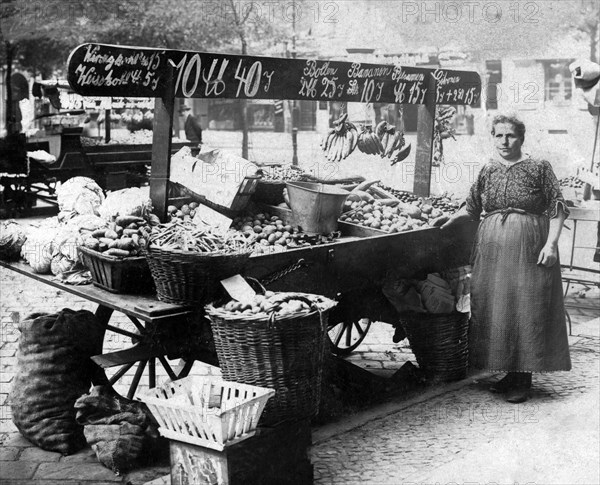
(347, 336)
(147, 353)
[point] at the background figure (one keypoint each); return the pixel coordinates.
(191, 126)
(586, 75)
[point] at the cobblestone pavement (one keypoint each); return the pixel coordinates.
(460, 435)
(407, 447)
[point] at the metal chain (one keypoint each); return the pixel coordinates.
(283, 272)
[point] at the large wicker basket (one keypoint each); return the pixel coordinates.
(189, 278)
(439, 342)
(284, 354)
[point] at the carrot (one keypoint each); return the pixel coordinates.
(129, 232)
(98, 233)
(111, 234)
(126, 220)
(123, 243)
(363, 186)
(121, 253)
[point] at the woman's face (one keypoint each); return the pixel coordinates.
(507, 141)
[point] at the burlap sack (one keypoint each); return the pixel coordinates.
(53, 370)
(120, 431)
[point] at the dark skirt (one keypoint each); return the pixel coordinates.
(518, 315)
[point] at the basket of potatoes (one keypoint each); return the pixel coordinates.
(276, 340)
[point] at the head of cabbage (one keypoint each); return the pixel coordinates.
(12, 238)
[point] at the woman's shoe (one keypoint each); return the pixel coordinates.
(520, 392)
(504, 384)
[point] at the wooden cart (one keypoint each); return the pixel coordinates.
(351, 269)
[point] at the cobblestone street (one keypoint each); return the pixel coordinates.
(454, 433)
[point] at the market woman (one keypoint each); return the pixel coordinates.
(517, 310)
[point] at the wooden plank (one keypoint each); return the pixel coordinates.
(585, 213)
(144, 307)
(127, 356)
(425, 132)
(109, 70)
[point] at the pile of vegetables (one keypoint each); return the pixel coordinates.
(185, 236)
(387, 216)
(122, 238)
(272, 304)
(282, 174)
(12, 239)
(268, 233)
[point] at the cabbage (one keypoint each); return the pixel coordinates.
(80, 195)
(134, 201)
(62, 264)
(86, 222)
(37, 250)
(12, 238)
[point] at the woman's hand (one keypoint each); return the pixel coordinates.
(443, 222)
(548, 255)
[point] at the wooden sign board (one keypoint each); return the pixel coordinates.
(110, 70)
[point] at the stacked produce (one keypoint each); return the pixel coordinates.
(389, 215)
(269, 233)
(282, 174)
(273, 305)
(179, 235)
(184, 213)
(139, 137)
(122, 238)
(443, 202)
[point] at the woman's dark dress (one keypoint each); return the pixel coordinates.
(518, 316)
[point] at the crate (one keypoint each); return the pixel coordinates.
(118, 275)
(207, 411)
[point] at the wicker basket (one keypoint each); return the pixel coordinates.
(189, 278)
(284, 354)
(207, 411)
(439, 342)
(118, 275)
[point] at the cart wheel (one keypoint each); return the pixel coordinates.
(346, 336)
(132, 362)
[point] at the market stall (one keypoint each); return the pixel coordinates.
(345, 267)
(349, 266)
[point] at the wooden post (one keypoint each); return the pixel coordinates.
(425, 131)
(161, 148)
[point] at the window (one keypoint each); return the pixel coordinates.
(558, 87)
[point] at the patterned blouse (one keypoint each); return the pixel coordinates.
(528, 185)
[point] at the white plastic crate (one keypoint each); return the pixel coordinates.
(206, 410)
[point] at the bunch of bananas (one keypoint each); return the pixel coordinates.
(341, 140)
(443, 129)
(391, 139)
(369, 143)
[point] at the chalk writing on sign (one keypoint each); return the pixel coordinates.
(111, 69)
(103, 70)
